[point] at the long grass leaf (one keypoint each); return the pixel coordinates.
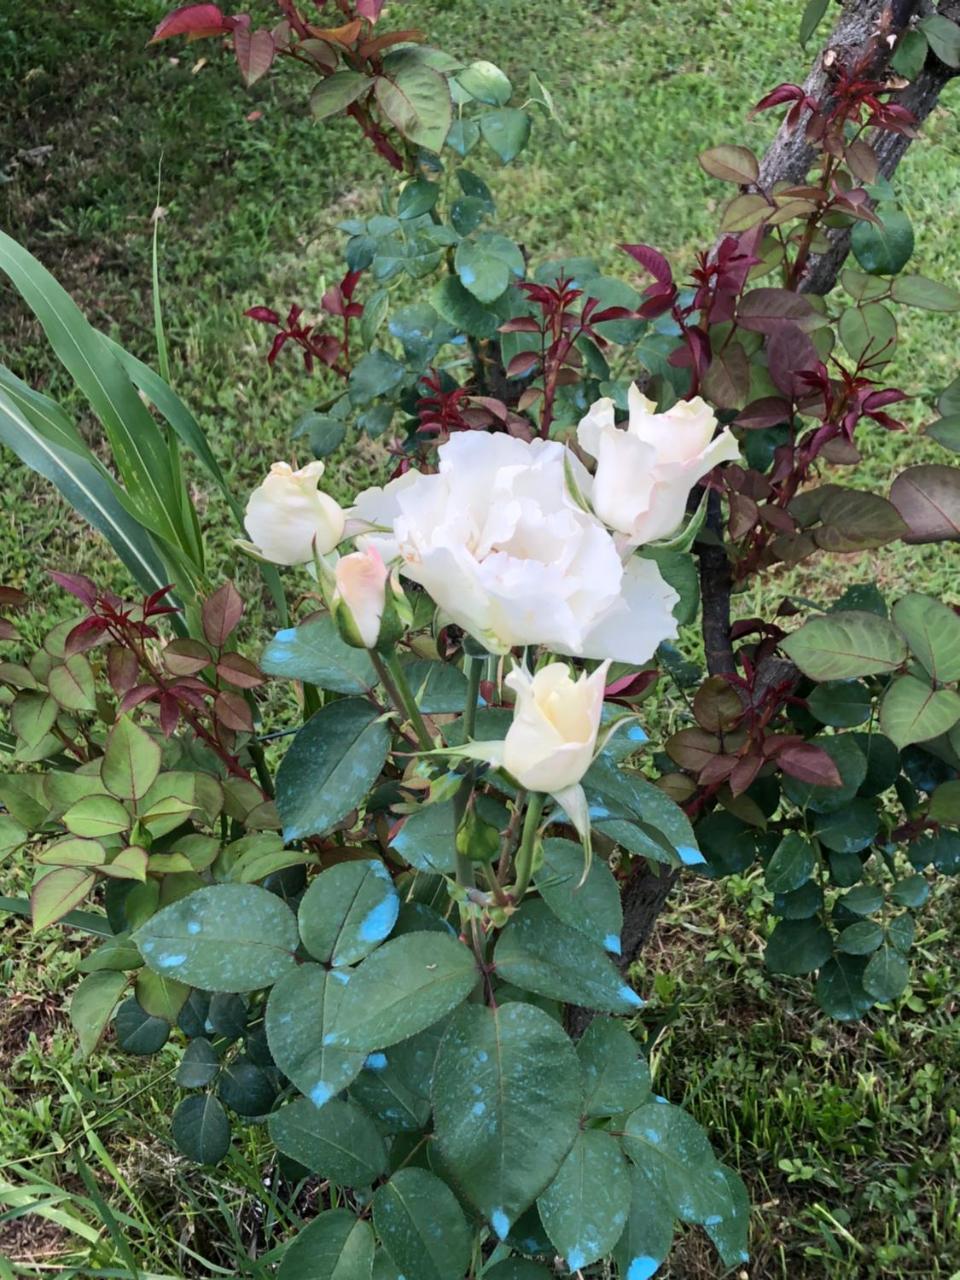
(86, 488)
(137, 442)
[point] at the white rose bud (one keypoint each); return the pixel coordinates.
(551, 743)
(288, 515)
(645, 470)
(365, 600)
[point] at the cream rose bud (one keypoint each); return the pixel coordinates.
(364, 600)
(551, 741)
(646, 469)
(288, 515)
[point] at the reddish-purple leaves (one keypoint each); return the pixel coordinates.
(195, 21)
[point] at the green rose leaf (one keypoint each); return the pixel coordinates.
(886, 975)
(798, 946)
(932, 631)
(917, 291)
(506, 131)
(422, 1226)
(92, 1004)
(301, 1009)
(394, 1087)
(592, 907)
(347, 911)
(201, 1129)
(401, 988)
(839, 991)
(792, 864)
(648, 1235)
(330, 767)
(841, 646)
(198, 1066)
(138, 1031)
(537, 953)
(886, 249)
(316, 654)
(416, 101)
(227, 937)
(616, 1078)
(336, 1245)
(584, 1209)
(676, 1154)
(486, 83)
(507, 1102)
(57, 893)
(339, 1141)
(337, 92)
(911, 711)
(426, 839)
(840, 703)
(72, 684)
(131, 761)
(486, 265)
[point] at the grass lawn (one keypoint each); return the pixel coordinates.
(848, 1137)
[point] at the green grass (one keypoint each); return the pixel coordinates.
(848, 1136)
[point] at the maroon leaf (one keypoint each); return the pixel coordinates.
(142, 693)
(522, 364)
(193, 20)
(652, 260)
(520, 324)
(169, 714)
(186, 657)
(221, 613)
(790, 353)
(85, 635)
(809, 763)
(239, 671)
(370, 9)
(264, 314)
(767, 412)
(122, 669)
(254, 51)
(928, 500)
(78, 585)
(761, 310)
(7, 630)
(12, 598)
(232, 710)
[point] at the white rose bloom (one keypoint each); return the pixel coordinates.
(505, 553)
(288, 512)
(551, 742)
(645, 470)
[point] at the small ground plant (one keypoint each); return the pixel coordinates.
(398, 932)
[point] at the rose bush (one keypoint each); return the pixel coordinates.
(398, 931)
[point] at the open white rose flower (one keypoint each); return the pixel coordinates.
(551, 740)
(288, 515)
(505, 552)
(646, 469)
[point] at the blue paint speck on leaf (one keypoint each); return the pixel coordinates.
(690, 857)
(478, 1108)
(376, 1061)
(167, 962)
(320, 1093)
(576, 1259)
(612, 944)
(193, 926)
(642, 1268)
(630, 996)
(636, 734)
(341, 975)
(500, 1223)
(378, 922)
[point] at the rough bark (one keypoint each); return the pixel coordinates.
(864, 29)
